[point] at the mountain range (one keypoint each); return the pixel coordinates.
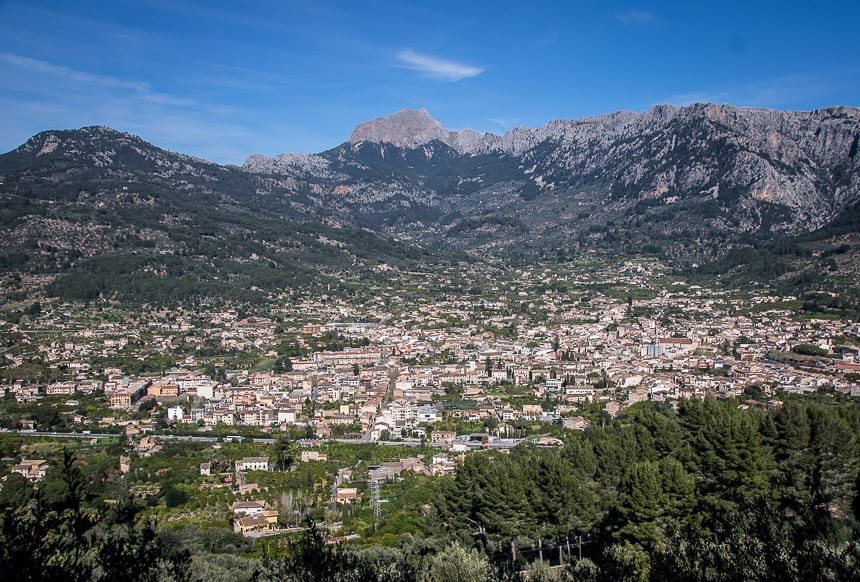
(691, 185)
(716, 172)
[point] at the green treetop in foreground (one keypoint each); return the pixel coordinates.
(711, 492)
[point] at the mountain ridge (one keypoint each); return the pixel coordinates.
(104, 214)
(411, 128)
(688, 184)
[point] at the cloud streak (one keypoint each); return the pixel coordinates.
(44, 67)
(504, 122)
(436, 68)
(44, 95)
(635, 17)
(143, 89)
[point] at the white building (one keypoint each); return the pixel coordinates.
(428, 413)
(253, 464)
(286, 416)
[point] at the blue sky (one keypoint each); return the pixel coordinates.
(223, 80)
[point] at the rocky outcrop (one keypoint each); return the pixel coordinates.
(411, 128)
(407, 128)
(300, 165)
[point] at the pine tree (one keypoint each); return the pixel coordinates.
(641, 504)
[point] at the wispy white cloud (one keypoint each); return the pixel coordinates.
(784, 91)
(44, 95)
(45, 68)
(437, 68)
(162, 99)
(635, 17)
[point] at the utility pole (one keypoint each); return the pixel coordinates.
(334, 500)
(374, 501)
(579, 543)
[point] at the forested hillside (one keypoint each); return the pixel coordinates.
(712, 190)
(104, 214)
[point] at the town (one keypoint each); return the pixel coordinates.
(525, 351)
(346, 409)
(542, 352)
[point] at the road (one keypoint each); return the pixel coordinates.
(74, 435)
(95, 435)
(500, 444)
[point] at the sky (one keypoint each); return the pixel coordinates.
(223, 80)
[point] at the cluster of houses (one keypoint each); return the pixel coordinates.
(251, 517)
(451, 358)
(690, 344)
(255, 517)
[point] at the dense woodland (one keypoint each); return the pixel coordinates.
(713, 491)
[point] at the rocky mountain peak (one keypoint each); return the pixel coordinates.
(698, 179)
(406, 128)
(412, 128)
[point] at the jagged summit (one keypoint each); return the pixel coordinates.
(406, 128)
(411, 128)
(744, 169)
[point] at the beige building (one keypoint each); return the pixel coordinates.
(347, 495)
(31, 469)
